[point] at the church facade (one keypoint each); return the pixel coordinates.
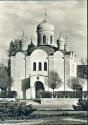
(31, 67)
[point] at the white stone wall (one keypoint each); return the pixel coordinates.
(18, 72)
(73, 67)
(51, 63)
(29, 93)
(38, 56)
(19, 66)
(56, 63)
(59, 66)
(33, 80)
(28, 67)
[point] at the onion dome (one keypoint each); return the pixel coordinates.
(61, 39)
(45, 33)
(61, 42)
(67, 47)
(44, 25)
(31, 44)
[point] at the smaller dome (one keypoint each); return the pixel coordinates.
(44, 25)
(67, 47)
(61, 39)
(31, 45)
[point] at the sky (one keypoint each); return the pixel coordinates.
(68, 17)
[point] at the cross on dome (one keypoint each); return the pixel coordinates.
(45, 15)
(60, 34)
(31, 38)
(22, 37)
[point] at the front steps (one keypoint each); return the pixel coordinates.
(53, 103)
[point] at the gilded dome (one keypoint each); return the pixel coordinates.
(44, 25)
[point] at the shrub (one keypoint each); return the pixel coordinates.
(12, 94)
(15, 109)
(46, 94)
(3, 94)
(40, 93)
(38, 101)
(82, 105)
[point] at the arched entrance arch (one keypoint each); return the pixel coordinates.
(38, 87)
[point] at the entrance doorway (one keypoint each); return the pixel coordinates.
(38, 87)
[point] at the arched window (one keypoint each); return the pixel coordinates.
(40, 66)
(45, 66)
(51, 39)
(34, 66)
(44, 39)
(39, 39)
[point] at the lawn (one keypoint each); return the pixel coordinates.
(53, 118)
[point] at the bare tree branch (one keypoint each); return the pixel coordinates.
(54, 81)
(75, 83)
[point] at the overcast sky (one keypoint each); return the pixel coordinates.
(68, 17)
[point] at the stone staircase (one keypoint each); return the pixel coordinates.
(53, 103)
(57, 103)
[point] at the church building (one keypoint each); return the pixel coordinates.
(31, 67)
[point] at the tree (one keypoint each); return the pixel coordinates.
(75, 83)
(82, 105)
(15, 46)
(5, 79)
(54, 81)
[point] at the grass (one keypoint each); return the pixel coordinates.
(53, 118)
(48, 121)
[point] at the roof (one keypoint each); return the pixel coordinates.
(66, 52)
(61, 39)
(31, 44)
(44, 25)
(47, 48)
